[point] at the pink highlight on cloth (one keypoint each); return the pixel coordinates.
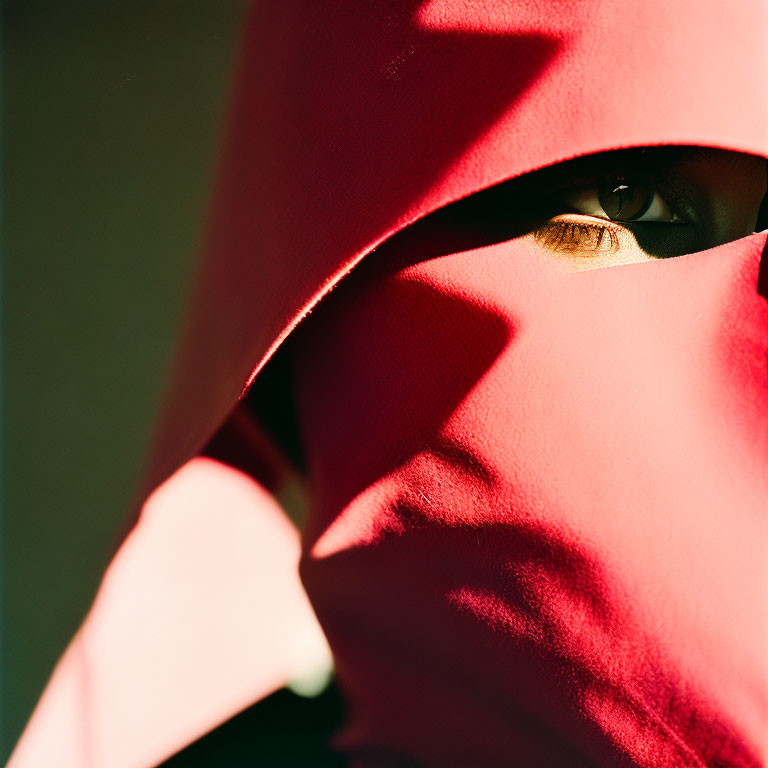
(539, 527)
(200, 614)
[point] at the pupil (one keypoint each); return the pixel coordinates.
(624, 195)
(623, 200)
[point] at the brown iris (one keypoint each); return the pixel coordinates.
(624, 198)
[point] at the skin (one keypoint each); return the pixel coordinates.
(707, 196)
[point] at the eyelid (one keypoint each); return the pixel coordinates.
(563, 236)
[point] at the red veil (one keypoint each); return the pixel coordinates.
(538, 533)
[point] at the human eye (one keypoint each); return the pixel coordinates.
(620, 206)
(607, 211)
(622, 198)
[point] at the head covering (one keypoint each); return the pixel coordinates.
(539, 528)
(538, 532)
(348, 123)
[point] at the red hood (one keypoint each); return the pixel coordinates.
(348, 122)
(454, 531)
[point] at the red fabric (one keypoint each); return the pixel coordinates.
(350, 120)
(539, 526)
(539, 498)
(200, 613)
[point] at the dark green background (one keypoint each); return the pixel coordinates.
(111, 116)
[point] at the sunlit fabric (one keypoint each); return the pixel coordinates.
(540, 508)
(539, 497)
(538, 533)
(200, 614)
(349, 122)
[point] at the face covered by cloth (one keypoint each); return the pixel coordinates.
(538, 526)
(539, 529)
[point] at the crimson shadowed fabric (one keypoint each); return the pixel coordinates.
(351, 120)
(539, 499)
(538, 534)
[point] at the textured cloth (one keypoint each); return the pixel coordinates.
(538, 536)
(539, 499)
(351, 120)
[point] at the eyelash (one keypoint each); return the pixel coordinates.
(568, 236)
